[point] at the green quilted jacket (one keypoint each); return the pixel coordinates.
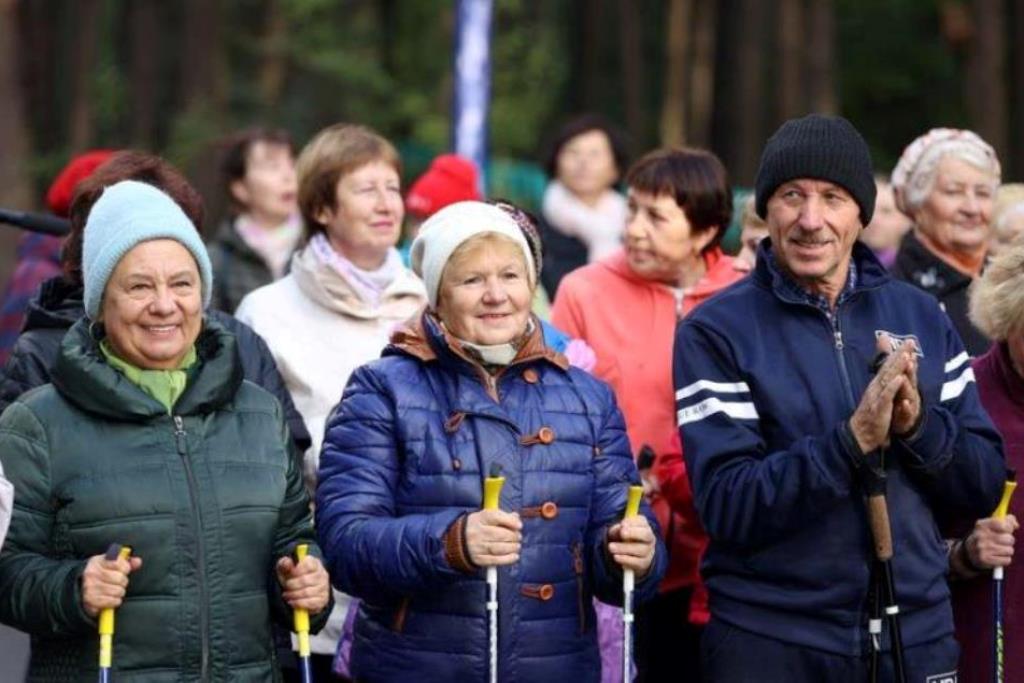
(208, 497)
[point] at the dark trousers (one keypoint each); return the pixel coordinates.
(732, 655)
(667, 644)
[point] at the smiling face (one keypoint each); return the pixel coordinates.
(152, 306)
(956, 215)
(813, 225)
(366, 219)
(485, 292)
(659, 238)
(269, 190)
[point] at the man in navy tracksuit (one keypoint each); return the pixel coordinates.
(782, 413)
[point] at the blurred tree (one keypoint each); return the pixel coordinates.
(15, 189)
(790, 33)
(144, 71)
(87, 15)
(702, 81)
(985, 75)
(677, 53)
(821, 55)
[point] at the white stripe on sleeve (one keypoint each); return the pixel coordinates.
(957, 362)
(710, 406)
(718, 387)
(955, 387)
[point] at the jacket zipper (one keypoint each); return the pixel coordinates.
(837, 336)
(577, 566)
(193, 487)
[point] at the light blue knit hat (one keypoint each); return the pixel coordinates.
(126, 214)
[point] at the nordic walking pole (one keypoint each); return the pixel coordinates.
(492, 493)
(628, 583)
(300, 622)
(997, 583)
(881, 533)
(106, 627)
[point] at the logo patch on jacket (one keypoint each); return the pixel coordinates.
(898, 340)
(948, 677)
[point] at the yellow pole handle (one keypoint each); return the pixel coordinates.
(300, 617)
(1004, 504)
(492, 492)
(636, 494)
(106, 625)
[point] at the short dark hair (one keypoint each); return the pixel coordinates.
(585, 123)
(695, 178)
(236, 148)
(127, 165)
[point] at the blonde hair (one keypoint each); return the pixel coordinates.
(997, 297)
(1009, 201)
(749, 218)
(471, 248)
(335, 151)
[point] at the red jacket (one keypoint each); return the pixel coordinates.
(630, 323)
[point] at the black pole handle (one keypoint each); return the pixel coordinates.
(36, 222)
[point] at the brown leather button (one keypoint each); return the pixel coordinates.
(547, 591)
(546, 435)
(549, 510)
(530, 375)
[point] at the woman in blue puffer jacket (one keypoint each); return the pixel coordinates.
(469, 386)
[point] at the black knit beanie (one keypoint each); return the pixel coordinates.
(819, 147)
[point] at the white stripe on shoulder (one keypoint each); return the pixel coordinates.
(957, 362)
(710, 406)
(953, 388)
(718, 387)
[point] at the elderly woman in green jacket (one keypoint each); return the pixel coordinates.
(148, 437)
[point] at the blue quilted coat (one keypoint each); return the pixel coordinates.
(403, 461)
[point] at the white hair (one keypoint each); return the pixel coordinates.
(997, 297)
(913, 179)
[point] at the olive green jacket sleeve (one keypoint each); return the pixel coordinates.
(39, 594)
(295, 526)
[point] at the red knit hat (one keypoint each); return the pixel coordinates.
(449, 179)
(62, 191)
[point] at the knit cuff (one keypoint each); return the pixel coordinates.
(456, 552)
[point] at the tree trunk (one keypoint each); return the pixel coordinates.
(275, 54)
(677, 49)
(144, 70)
(1016, 167)
(15, 188)
(590, 14)
(632, 72)
(40, 86)
(702, 79)
(985, 84)
(748, 88)
(821, 57)
(202, 74)
(83, 65)
(790, 82)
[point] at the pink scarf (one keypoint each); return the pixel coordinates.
(369, 284)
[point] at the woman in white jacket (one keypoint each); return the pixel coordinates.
(346, 290)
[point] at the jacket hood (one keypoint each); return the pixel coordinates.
(870, 272)
(57, 305)
(84, 377)
(329, 288)
(424, 338)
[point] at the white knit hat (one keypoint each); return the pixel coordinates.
(442, 233)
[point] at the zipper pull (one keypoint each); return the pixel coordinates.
(179, 434)
(839, 339)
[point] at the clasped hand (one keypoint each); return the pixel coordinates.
(891, 405)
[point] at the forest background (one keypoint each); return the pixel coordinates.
(175, 76)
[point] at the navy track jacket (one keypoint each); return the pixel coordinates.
(764, 380)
